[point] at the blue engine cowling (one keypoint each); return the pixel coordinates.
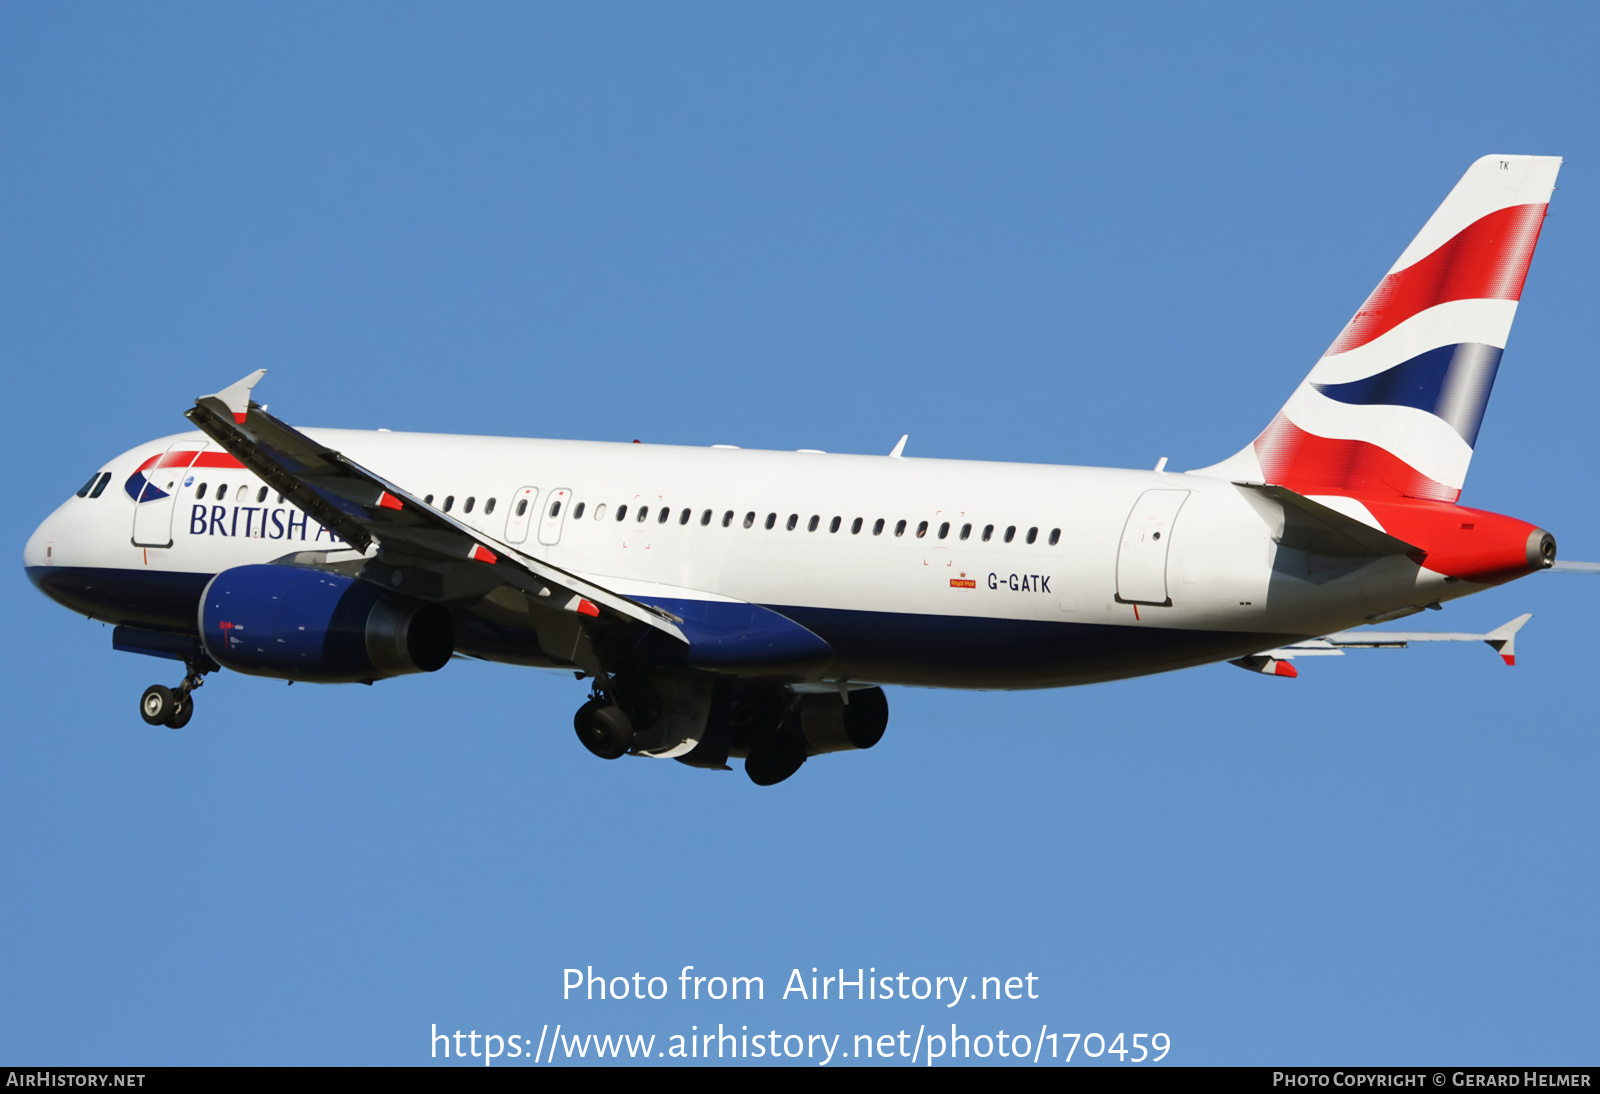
(300, 624)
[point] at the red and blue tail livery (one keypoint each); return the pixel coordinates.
(1393, 409)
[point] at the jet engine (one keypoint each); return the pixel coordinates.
(832, 725)
(301, 624)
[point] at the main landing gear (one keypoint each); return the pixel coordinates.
(172, 707)
(604, 729)
(773, 728)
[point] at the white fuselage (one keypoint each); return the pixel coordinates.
(987, 561)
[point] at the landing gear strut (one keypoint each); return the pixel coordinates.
(173, 707)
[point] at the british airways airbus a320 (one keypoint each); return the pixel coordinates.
(728, 603)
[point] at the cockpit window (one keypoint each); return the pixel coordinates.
(100, 486)
(83, 491)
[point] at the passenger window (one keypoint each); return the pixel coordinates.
(900, 528)
(944, 529)
(833, 525)
(683, 517)
(622, 511)
(450, 499)
(988, 532)
(577, 510)
(467, 508)
(100, 486)
(522, 505)
(425, 501)
(488, 507)
(966, 530)
(1055, 536)
(83, 491)
(727, 519)
(600, 511)
(749, 519)
(555, 507)
(772, 521)
(877, 527)
(261, 495)
(665, 513)
(794, 519)
(1011, 533)
(644, 513)
(811, 525)
(705, 518)
(855, 527)
(200, 492)
(1033, 534)
(280, 499)
(222, 491)
(922, 529)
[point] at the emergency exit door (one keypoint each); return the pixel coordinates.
(555, 514)
(1146, 539)
(524, 509)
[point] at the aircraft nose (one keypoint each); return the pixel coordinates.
(40, 551)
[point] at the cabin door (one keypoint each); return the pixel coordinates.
(1146, 539)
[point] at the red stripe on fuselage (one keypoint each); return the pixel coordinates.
(1309, 464)
(1486, 260)
(184, 458)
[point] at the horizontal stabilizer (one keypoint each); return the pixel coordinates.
(1502, 640)
(1311, 526)
(1266, 666)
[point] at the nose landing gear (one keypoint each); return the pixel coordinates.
(172, 707)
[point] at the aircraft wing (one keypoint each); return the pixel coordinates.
(421, 551)
(1277, 662)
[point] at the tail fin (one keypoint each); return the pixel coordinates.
(1393, 407)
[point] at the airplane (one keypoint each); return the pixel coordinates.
(727, 603)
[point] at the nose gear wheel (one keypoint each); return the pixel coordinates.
(173, 707)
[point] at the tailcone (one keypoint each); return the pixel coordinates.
(1468, 544)
(1541, 550)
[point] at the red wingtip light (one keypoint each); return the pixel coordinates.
(587, 608)
(480, 553)
(1284, 668)
(387, 500)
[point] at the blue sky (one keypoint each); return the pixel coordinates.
(1034, 232)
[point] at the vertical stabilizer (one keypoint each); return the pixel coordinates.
(1393, 407)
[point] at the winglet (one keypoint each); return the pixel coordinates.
(1503, 639)
(236, 398)
(900, 447)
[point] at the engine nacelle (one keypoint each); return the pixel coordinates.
(832, 725)
(300, 624)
